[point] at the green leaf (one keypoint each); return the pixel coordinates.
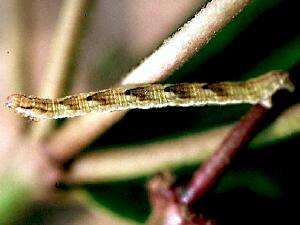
(254, 181)
(128, 199)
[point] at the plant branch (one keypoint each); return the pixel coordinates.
(11, 82)
(166, 210)
(171, 203)
(186, 42)
(66, 37)
(148, 159)
(162, 63)
(210, 171)
(16, 46)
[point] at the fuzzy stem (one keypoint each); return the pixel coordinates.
(69, 140)
(186, 42)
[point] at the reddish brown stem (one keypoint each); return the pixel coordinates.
(210, 171)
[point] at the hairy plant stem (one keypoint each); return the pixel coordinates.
(68, 141)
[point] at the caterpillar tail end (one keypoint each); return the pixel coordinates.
(284, 83)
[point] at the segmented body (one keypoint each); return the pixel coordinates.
(256, 90)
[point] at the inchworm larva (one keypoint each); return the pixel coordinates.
(256, 90)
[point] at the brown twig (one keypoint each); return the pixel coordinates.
(166, 210)
(169, 208)
(210, 171)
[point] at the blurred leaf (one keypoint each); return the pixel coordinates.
(128, 199)
(254, 181)
(282, 58)
(12, 193)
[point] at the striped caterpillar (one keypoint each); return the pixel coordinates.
(255, 90)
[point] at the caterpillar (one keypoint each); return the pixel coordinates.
(144, 96)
